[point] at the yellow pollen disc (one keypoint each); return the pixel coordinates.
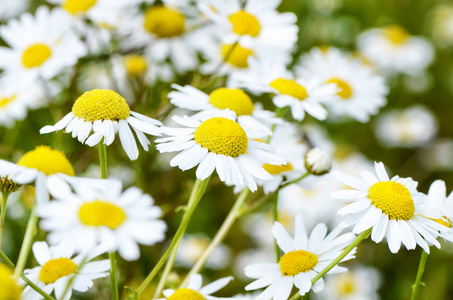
(222, 136)
(393, 198)
(164, 22)
(47, 160)
(245, 23)
(346, 89)
(233, 99)
(7, 100)
(135, 65)
(289, 87)
(186, 294)
(99, 213)
(9, 290)
(35, 55)
(54, 269)
(296, 262)
(75, 7)
(396, 35)
(274, 170)
(101, 105)
(238, 56)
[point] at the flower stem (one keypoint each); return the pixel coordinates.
(274, 197)
(197, 192)
(236, 211)
(364, 235)
(167, 270)
(5, 196)
(293, 181)
(418, 279)
(103, 158)
(30, 233)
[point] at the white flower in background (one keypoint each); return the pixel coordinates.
(106, 113)
(42, 45)
(252, 256)
(11, 9)
(305, 256)
(196, 291)
(57, 267)
(222, 144)
(442, 25)
(249, 115)
(437, 155)
(361, 94)
(317, 162)
(411, 127)
(438, 201)
(394, 50)
(92, 212)
(359, 283)
(392, 207)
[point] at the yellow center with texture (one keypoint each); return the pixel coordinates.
(245, 23)
(345, 89)
(296, 262)
(186, 294)
(135, 65)
(289, 87)
(236, 56)
(35, 55)
(164, 22)
(232, 99)
(47, 160)
(99, 213)
(393, 198)
(222, 136)
(101, 105)
(54, 269)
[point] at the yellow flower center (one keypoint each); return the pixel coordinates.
(47, 160)
(136, 65)
(101, 105)
(296, 262)
(7, 100)
(75, 7)
(346, 285)
(393, 198)
(345, 89)
(186, 294)
(164, 22)
(35, 55)
(245, 23)
(233, 99)
(99, 213)
(222, 136)
(396, 35)
(274, 170)
(54, 269)
(9, 290)
(236, 56)
(289, 87)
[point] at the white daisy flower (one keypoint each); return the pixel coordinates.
(88, 8)
(304, 258)
(57, 267)
(437, 200)
(10, 9)
(13, 176)
(41, 47)
(394, 50)
(105, 113)
(196, 291)
(101, 214)
(248, 114)
(361, 93)
(441, 25)
(392, 207)
(220, 143)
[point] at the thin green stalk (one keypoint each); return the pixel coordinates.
(197, 192)
(234, 214)
(364, 235)
(10, 264)
(293, 181)
(167, 270)
(103, 158)
(418, 278)
(274, 198)
(30, 233)
(5, 196)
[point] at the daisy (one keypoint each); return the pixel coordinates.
(9, 289)
(249, 115)
(99, 213)
(392, 207)
(437, 200)
(195, 290)
(361, 93)
(42, 46)
(58, 266)
(219, 143)
(105, 113)
(394, 50)
(10, 9)
(304, 258)
(13, 176)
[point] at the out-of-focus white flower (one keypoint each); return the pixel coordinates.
(10, 9)
(437, 156)
(412, 127)
(442, 25)
(317, 162)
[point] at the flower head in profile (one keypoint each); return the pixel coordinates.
(57, 267)
(220, 143)
(438, 201)
(392, 207)
(305, 256)
(105, 112)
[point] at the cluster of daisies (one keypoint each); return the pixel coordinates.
(237, 53)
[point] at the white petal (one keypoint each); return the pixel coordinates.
(284, 240)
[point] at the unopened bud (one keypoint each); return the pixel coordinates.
(317, 162)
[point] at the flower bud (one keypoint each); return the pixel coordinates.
(317, 162)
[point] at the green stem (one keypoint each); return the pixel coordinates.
(10, 264)
(5, 196)
(113, 276)
(167, 270)
(30, 233)
(197, 192)
(293, 181)
(103, 158)
(418, 279)
(337, 260)
(275, 213)
(234, 214)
